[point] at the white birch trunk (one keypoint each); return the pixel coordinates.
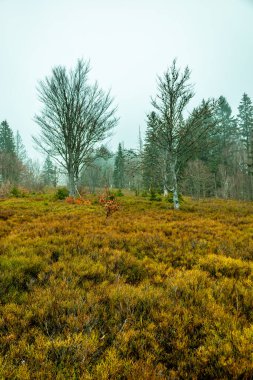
(165, 180)
(175, 187)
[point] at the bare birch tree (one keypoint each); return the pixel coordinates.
(74, 118)
(176, 136)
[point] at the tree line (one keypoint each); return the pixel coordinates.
(203, 152)
(217, 163)
(17, 169)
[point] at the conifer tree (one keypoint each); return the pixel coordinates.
(7, 143)
(245, 121)
(49, 173)
(9, 163)
(153, 162)
(119, 169)
(245, 124)
(20, 148)
(226, 128)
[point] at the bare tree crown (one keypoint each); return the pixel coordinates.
(74, 118)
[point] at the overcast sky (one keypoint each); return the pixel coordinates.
(128, 43)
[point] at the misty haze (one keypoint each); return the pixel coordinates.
(126, 189)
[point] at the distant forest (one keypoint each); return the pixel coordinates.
(208, 153)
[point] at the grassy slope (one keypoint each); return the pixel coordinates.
(149, 294)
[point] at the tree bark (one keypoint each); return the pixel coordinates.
(175, 186)
(72, 184)
(165, 185)
(165, 176)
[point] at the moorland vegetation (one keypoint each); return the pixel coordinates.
(145, 293)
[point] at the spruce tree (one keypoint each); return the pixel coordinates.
(226, 128)
(153, 163)
(245, 120)
(225, 146)
(7, 143)
(20, 148)
(119, 169)
(49, 173)
(245, 124)
(9, 163)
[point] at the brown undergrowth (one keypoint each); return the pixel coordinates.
(151, 294)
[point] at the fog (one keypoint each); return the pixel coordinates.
(128, 44)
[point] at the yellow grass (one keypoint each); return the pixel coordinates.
(149, 293)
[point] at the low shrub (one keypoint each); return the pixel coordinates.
(78, 201)
(108, 201)
(225, 266)
(61, 193)
(119, 193)
(154, 196)
(154, 294)
(169, 198)
(18, 192)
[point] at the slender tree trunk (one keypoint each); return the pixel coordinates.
(175, 186)
(72, 184)
(250, 166)
(251, 188)
(165, 178)
(165, 186)
(71, 176)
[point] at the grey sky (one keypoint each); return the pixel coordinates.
(128, 43)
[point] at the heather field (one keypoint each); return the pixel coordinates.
(147, 293)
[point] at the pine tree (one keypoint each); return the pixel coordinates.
(20, 148)
(7, 143)
(119, 169)
(245, 120)
(245, 124)
(49, 173)
(226, 123)
(9, 163)
(226, 127)
(153, 164)
(224, 142)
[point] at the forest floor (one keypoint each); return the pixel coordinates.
(148, 293)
